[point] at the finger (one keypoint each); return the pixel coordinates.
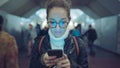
(63, 65)
(50, 64)
(48, 60)
(59, 65)
(61, 58)
(65, 56)
(50, 57)
(65, 61)
(67, 65)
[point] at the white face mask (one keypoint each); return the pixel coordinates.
(64, 36)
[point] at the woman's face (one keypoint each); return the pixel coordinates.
(58, 21)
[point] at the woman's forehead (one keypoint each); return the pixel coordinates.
(57, 12)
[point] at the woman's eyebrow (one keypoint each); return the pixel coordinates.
(54, 19)
(63, 19)
(50, 19)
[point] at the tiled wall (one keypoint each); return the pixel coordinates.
(118, 35)
(107, 33)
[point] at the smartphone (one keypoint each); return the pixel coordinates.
(57, 53)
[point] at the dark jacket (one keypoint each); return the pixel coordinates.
(77, 61)
(91, 34)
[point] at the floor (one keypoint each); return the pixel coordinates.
(102, 59)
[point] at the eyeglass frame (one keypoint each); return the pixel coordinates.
(65, 22)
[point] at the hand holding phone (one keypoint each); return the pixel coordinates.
(58, 53)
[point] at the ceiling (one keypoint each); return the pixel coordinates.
(94, 8)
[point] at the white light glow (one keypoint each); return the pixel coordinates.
(70, 25)
(75, 13)
(89, 20)
(75, 24)
(33, 23)
(83, 24)
(44, 24)
(41, 13)
(93, 24)
(21, 23)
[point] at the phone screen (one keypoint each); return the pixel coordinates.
(57, 53)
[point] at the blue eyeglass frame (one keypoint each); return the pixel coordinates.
(61, 24)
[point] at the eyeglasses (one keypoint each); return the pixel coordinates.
(62, 24)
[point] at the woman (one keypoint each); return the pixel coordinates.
(58, 18)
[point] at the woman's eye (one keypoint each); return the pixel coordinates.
(53, 23)
(61, 23)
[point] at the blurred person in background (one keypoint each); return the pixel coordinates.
(76, 31)
(38, 29)
(31, 36)
(91, 36)
(8, 49)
